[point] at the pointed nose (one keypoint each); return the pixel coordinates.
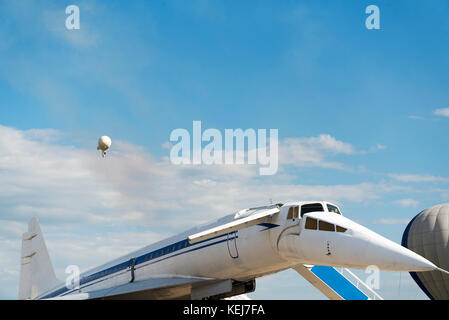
(389, 255)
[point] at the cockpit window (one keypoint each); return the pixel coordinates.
(311, 223)
(332, 208)
(295, 212)
(290, 213)
(312, 207)
(314, 224)
(326, 226)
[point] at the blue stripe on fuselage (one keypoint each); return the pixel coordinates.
(268, 225)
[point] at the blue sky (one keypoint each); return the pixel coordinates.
(137, 70)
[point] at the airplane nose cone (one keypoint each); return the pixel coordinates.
(389, 255)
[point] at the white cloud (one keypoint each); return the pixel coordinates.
(71, 185)
(327, 143)
(301, 152)
(413, 117)
(313, 151)
(167, 145)
(442, 112)
(408, 203)
(317, 151)
(391, 221)
(375, 148)
(205, 182)
(417, 178)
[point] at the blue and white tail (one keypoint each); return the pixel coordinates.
(36, 271)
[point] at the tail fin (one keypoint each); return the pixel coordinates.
(36, 271)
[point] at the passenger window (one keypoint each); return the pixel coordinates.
(332, 208)
(341, 229)
(295, 212)
(311, 223)
(290, 213)
(312, 207)
(326, 226)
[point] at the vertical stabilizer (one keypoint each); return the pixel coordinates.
(36, 271)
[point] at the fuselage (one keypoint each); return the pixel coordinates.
(285, 240)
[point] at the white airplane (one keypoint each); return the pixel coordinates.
(223, 258)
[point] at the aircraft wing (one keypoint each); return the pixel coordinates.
(238, 224)
(167, 287)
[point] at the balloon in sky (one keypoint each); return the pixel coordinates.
(428, 235)
(104, 143)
